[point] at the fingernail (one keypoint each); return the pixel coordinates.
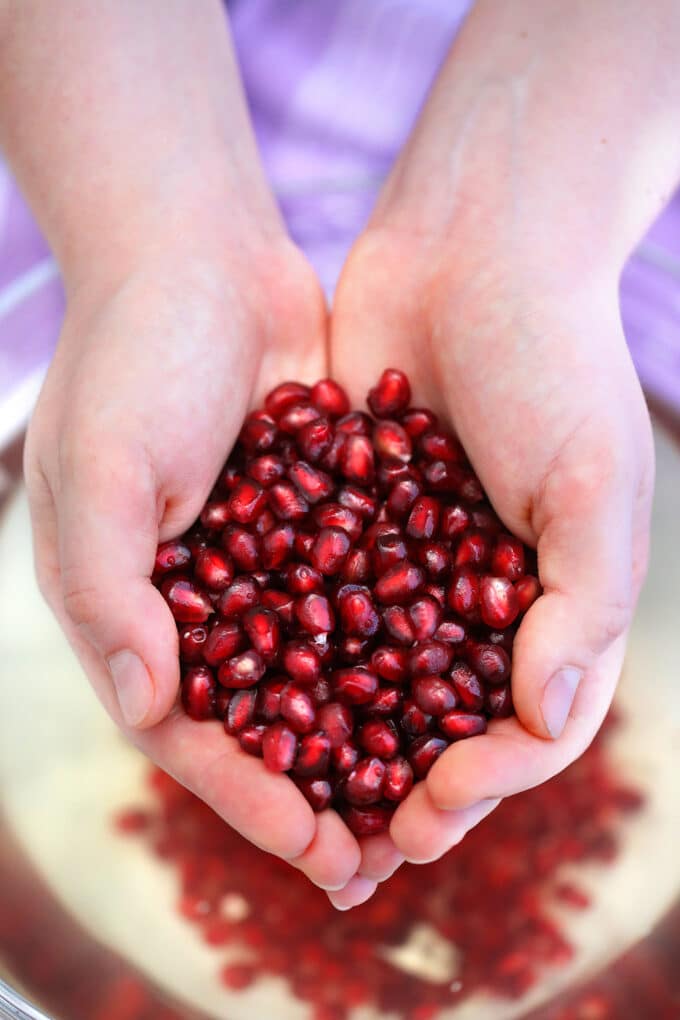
(558, 697)
(133, 686)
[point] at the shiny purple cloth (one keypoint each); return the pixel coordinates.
(334, 89)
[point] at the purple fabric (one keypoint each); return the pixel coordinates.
(334, 89)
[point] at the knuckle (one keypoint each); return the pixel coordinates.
(612, 620)
(81, 599)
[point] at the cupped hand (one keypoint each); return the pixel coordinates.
(149, 387)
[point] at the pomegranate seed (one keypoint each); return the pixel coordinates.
(279, 747)
(389, 549)
(192, 643)
(284, 396)
(288, 451)
(463, 595)
(238, 976)
(367, 821)
(171, 556)
(358, 615)
(435, 558)
(330, 398)
(390, 663)
(403, 495)
(239, 597)
(391, 440)
(264, 523)
(423, 753)
(364, 784)
(355, 686)
(333, 515)
(497, 602)
(302, 579)
(242, 546)
(331, 458)
(452, 632)
(286, 502)
(527, 590)
(277, 546)
(467, 686)
(398, 779)
(458, 725)
(269, 699)
(263, 628)
(357, 567)
(222, 699)
(241, 710)
(297, 708)
(392, 394)
(417, 420)
(474, 549)
(433, 696)
(400, 583)
(314, 614)
(437, 445)
(425, 613)
(215, 515)
(387, 701)
(266, 469)
(345, 757)
(224, 640)
(454, 521)
(399, 625)
(243, 670)
(336, 721)
(247, 501)
(490, 662)
(356, 423)
(358, 501)
(330, 550)
(313, 483)
(392, 471)
(507, 559)
(296, 416)
(437, 592)
(317, 792)
(352, 650)
(313, 755)
(430, 657)
(188, 603)
(357, 459)
(302, 662)
(443, 476)
(379, 737)
(198, 693)
(258, 434)
(214, 569)
(470, 488)
(282, 604)
(414, 721)
(498, 702)
(251, 737)
(424, 518)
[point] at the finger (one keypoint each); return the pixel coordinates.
(423, 832)
(356, 892)
(508, 759)
(333, 856)
(380, 858)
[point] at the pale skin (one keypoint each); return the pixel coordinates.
(488, 272)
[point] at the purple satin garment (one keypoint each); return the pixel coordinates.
(334, 89)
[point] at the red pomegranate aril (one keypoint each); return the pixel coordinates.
(352, 651)
(214, 569)
(470, 489)
(425, 613)
(400, 583)
(336, 721)
(286, 502)
(414, 721)
(387, 701)
(390, 663)
(330, 398)
(474, 549)
(297, 416)
(279, 747)
(192, 641)
(391, 396)
(222, 701)
(433, 695)
(358, 615)
(438, 445)
(402, 496)
(359, 501)
(301, 579)
(454, 520)
(389, 549)
(283, 396)
(357, 568)
(463, 597)
(355, 686)
(507, 558)
(281, 602)
(435, 559)
(330, 551)
(264, 630)
(442, 476)
(198, 693)
(241, 710)
(216, 514)
(251, 737)
(264, 523)
(317, 792)
(333, 515)
(490, 662)
(527, 590)
(297, 708)
(452, 632)
(392, 471)
(498, 702)
(467, 686)
(247, 501)
(345, 758)
(367, 821)
(498, 603)
(242, 546)
(277, 546)
(314, 484)
(457, 725)
(258, 434)
(357, 459)
(379, 737)
(171, 556)
(424, 518)
(398, 779)
(417, 420)
(355, 423)
(269, 699)
(364, 784)
(430, 658)
(241, 595)
(391, 440)
(267, 469)
(314, 613)
(313, 755)
(423, 753)
(399, 625)
(188, 603)
(195, 540)
(302, 662)
(241, 671)
(331, 458)
(225, 639)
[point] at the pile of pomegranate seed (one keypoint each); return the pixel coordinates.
(348, 600)
(491, 900)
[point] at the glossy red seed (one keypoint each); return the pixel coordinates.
(313, 755)
(264, 523)
(423, 520)
(277, 546)
(458, 725)
(417, 420)
(433, 695)
(498, 702)
(452, 632)
(214, 569)
(336, 721)
(279, 747)
(188, 603)
(489, 661)
(379, 737)
(358, 500)
(387, 702)
(317, 792)
(241, 711)
(402, 496)
(357, 568)
(301, 579)
(281, 602)
(423, 753)
(296, 416)
(250, 738)
(238, 976)
(398, 779)
(498, 603)
(243, 670)
(297, 708)
(330, 398)
(442, 476)
(314, 484)
(225, 639)
(435, 559)
(345, 757)
(357, 459)
(355, 423)
(364, 784)
(367, 821)
(467, 686)
(358, 615)
(474, 549)
(507, 558)
(463, 596)
(430, 658)
(437, 445)
(355, 685)
(352, 651)
(192, 641)
(391, 440)
(247, 501)
(242, 546)
(388, 550)
(241, 595)
(454, 520)
(425, 613)
(258, 433)
(269, 698)
(333, 515)
(267, 469)
(264, 631)
(330, 550)
(414, 721)
(527, 590)
(222, 699)
(399, 625)
(302, 662)
(315, 440)
(314, 614)
(284, 396)
(216, 514)
(400, 583)
(391, 396)
(391, 471)
(198, 693)
(171, 556)
(286, 502)
(390, 663)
